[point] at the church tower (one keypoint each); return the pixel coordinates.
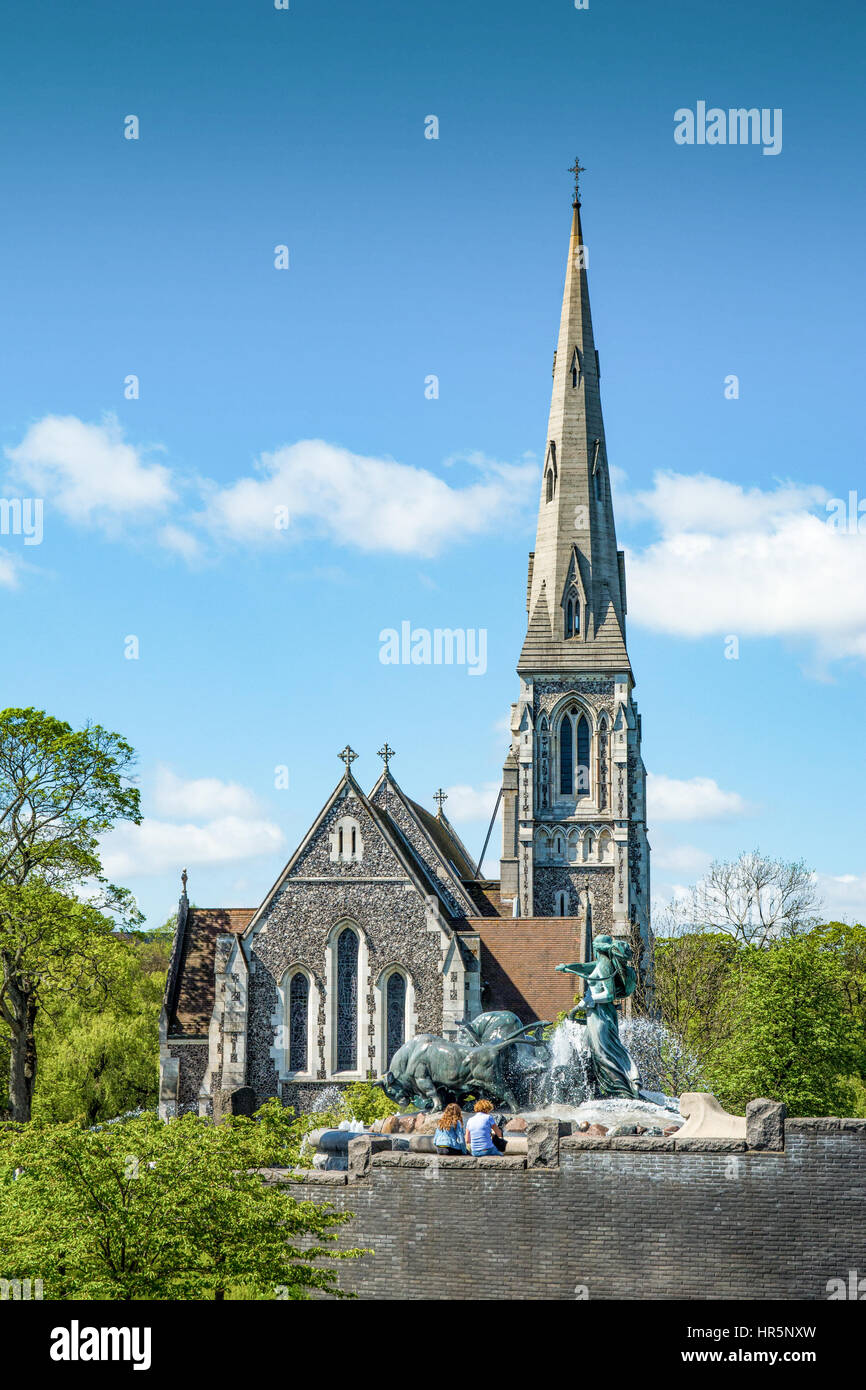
(574, 812)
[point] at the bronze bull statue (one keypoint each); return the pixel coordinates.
(430, 1071)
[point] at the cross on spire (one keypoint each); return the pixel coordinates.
(439, 797)
(348, 756)
(386, 754)
(577, 169)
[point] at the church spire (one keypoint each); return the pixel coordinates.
(576, 590)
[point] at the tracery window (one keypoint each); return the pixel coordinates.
(566, 756)
(395, 1015)
(347, 1001)
(299, 1007)
(582, 755)
(575, 741)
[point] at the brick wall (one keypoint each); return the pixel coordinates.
(518, 964)
(615, 1221)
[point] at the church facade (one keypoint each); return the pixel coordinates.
(380, 925)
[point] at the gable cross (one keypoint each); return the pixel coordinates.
(386, 754)
(439, 797)
(348, 756)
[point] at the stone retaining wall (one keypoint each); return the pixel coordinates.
(598, 1218)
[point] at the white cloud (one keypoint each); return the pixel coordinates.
(232, 827)
(200, 797)
(370, 503)
(697, 798)
(88, 472)
(697, 502)
(747, 563)
(686, 860)
(157, 847)
(181, 542)
(8, 572)
(844, 897)
(467, 803)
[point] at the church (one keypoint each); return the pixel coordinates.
(380, 926)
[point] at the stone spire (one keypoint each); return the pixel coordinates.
(575, 559)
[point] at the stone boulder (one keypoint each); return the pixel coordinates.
(765, 1124)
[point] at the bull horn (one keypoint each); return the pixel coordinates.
(513, 1036)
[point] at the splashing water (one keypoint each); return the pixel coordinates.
(563, 1083)
(328, 1099)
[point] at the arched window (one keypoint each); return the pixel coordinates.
(588, 845)
(561, 905)
(395, 1012)
(347, 1001)
(575, 368)
(583, 756)
(299, 1008)
(569, 619)
(550, 485)
(566, 756)
(347, 843)
(572, 615)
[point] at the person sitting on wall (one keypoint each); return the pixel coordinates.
(449, 1137)
(483, 1134)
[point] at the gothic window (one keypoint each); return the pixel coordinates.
(587, 845)
(551, 470)
(299, 1002)
(583, 756)
(347, 845)
(569, 619)
(561, 905)
(395, 1015)
(559, 844)
(572, 614)
(347, 1001)
(566, 757)
(576, 368)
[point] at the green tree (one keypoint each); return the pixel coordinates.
(60, 790)
(792, 1038)
(99, 1057)
(691, 979)
(52, 948)
(147, 1209)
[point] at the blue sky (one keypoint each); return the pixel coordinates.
(258, 647)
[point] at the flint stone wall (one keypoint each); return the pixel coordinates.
(613, 1218)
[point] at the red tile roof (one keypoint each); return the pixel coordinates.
(193, 1005)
